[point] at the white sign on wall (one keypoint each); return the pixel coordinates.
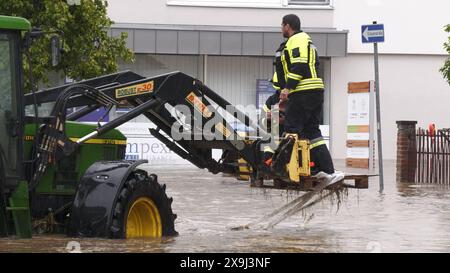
(358, 108)
(142, 145)
(360, 125)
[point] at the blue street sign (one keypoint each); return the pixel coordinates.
(372, 33)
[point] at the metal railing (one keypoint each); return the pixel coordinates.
(433, 156)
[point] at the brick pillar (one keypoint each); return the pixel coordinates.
(406, 151)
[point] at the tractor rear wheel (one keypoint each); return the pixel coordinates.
(143, 209)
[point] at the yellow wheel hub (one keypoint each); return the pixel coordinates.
(143, 220)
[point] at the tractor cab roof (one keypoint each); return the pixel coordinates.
(15, 23)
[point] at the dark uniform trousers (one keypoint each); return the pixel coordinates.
(303, 117)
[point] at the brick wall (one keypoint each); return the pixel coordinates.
(406, 151)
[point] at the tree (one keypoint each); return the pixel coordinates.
(88, 50)
(446, 68)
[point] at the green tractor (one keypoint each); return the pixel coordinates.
(59, 175)
(50, 181)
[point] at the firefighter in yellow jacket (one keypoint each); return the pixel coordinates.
(304, 92)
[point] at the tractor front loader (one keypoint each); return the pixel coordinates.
(59, 175)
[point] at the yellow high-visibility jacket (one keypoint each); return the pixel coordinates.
(275, 83)
(300, 64)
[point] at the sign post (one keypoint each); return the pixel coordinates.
(375, 34)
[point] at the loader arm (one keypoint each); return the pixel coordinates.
(155, 98)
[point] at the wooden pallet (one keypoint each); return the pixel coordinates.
(357, 181)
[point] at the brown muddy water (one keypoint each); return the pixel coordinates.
(405, 218)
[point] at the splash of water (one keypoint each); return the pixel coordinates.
(321, 191)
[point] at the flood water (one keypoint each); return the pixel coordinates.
(405, 218)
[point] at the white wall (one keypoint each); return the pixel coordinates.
(411, 26)
(412, 88)
(234, 78)
(157, 12)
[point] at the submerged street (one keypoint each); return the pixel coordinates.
(405, 218)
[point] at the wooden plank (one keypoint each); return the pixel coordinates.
(358, 129)
(431, 158)
(446, 161)
(424, 158)
(362, 163)
(446, 144)
(436, 159)
(357, 143)
(447, 150)
(307, 184)
(428, 158)
(421, 156)
(359, 91)
(417, 156)
(425, 162)
(439, 157)
(362, 183)
(441, 154)
(444, 178)
(358, 87)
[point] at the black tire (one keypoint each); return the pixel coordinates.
(139, 185)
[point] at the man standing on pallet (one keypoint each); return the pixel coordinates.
(304, 92)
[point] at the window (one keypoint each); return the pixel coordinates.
(249, 3)
(226, 3)
(6, 82)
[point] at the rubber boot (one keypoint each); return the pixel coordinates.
(322, 159)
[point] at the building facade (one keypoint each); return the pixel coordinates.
(230, 45)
